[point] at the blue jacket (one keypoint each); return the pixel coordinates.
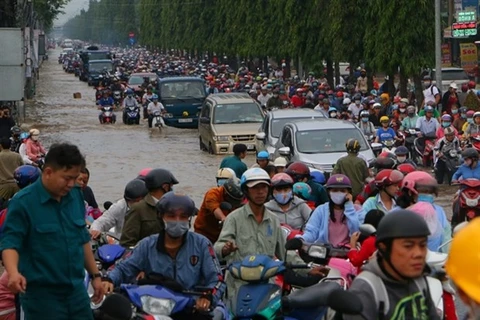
(465, 172)
(195, 265)
(106, 101)
(434, 241)
(316, 229)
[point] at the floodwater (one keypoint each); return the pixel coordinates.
(116, 153)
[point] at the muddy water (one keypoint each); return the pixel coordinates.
(116, 153)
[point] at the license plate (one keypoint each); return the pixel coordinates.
(185, 120)
(250, 147)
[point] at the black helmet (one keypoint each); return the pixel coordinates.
(233, 189)
(15, 130)
(352, 145)
(401, 224)
(135, 189)
(384, 163)
(156, 178)
(172, 201)
(470, 153)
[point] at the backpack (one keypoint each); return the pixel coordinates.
(380, 291)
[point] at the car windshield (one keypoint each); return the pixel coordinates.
(327, 141)
(135, 80)
(100, 66)
(237, 113)
(450, 75)
(278, 124)
(182, 89)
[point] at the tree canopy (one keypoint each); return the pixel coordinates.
(384, 34)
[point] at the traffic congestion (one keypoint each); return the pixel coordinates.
(148, 185)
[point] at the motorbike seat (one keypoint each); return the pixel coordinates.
(310, 297)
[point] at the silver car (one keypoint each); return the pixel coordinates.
(274, 122)
(320, 143)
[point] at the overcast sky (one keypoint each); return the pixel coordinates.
(71, 9)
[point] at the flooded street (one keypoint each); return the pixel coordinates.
(116, 153)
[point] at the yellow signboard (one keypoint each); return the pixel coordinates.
(468, 56)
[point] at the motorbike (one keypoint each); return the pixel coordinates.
(261, 299)
(424, 157)
(475, 141)
(107, 115)
(467, 205)
(451, 160)
(132, 115)
(157, 121)
(410, 136)
(117, 97)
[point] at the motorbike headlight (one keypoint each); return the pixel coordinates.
(221, 138)
(157, 306)
(168, 115)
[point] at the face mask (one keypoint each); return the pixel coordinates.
(283, 197)
(338, 197)
(364, 119)
(275, 95)
(363, 74)
(463, 115)
(426, 84)
(401, 159)
(176, 229)
(357, 102)
(446, 124)
(130, 96)
(470, 120)
(454, 111)
(424, 197)
(411, 114)
(333, 115)
(402, 110)
(35, 138)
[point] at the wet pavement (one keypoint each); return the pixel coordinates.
(116, 153)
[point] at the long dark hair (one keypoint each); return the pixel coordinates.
(332, 214)
(405, 199)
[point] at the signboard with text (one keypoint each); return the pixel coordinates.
(464, 29)
(446, 55)
(468, 56)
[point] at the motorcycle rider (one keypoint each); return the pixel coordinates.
(262, 160)
(223, 175)
(427, 126)
(470, 169)
(462, 266)
(474, 127)
(235, 162)
(22, 150)
(174, 254)
(288, 208)
(280, 163)
(445, 163)
(370, 188)
(385, 132)
(392, 285)
(376, 115)
(129, 102)
(420, 186)
(211, 215)
(275, 101)
(365, 125)
(461, 120)
(114, 217)
(15, 138)
(141, 220)
(263, 97)
(335, 221)
(153, 108)
(410, 121)
(353, 167)
(34, 148)
(146, 99)
(300, 173)
(402, 156)
(445, 122)
(106, 101)
(387, 182)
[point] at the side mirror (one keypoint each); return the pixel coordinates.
(377, 146)
(284, 151)
(205, 120)
(260, 136)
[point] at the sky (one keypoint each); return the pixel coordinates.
(71, 9)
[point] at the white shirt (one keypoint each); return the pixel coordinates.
(355, 109)
(113, 217)
(155, 107)
(427, 93)
(263, 99)
(23, 153)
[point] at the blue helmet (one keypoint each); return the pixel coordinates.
(332, 109)
(302, 190)
(154, 97)
(26, 175)
(129, 91)
(318, 176)
(263, 155)
(24, 135)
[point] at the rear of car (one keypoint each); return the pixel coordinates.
(449, 75)
(95, 70)
(182, 98)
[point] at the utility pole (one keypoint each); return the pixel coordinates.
(29, 60)
(438, 45)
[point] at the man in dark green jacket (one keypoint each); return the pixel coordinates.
(142, 220)
(235, 162)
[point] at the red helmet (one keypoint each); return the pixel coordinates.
(464, 87)
(472, 84)
(406, 168)
(282, 180)
(387, 154)
(298, 170)
(339, 94)
(388, 177)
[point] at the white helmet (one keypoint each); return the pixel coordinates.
(34, 132)
(254, 176)
(225, 173)
(347, 101)
(280, 162)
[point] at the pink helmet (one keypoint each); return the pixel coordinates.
(419, 179)
(143, 173)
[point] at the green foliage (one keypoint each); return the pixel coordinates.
(47, 10)
(386, 34)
